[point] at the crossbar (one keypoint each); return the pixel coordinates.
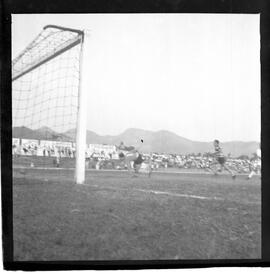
(48, 58)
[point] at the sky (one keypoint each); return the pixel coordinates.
(197, 75)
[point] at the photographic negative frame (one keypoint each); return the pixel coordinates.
(253, 7)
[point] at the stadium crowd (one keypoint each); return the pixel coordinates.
(98, 158)
(33, 149)
(189, 161)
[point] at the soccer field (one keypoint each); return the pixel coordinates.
(116, 217)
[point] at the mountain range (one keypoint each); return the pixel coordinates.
(148, 141)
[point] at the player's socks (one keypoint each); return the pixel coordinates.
(251, 174)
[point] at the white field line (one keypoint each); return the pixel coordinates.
(144, 190)
(179, 195)
(165, 193)
(115, 170)
(151, 191)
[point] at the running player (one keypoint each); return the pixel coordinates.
(256, 164)
(220, 159)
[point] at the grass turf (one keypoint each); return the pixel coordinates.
(116, 217)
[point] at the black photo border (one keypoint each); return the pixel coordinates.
(123, 6)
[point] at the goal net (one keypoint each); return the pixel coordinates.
(46, 101)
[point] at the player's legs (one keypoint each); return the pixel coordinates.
(212, 168)
(222, 162)
(250, 175)
(255, 170)
(128, 165)
(229, 170)
(136, 167)
(131, 168)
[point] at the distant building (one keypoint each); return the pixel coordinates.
(101, 149)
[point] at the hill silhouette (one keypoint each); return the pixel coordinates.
(153, 141)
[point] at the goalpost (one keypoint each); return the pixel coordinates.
(48, 98)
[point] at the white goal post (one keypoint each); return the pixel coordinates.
(47, 90)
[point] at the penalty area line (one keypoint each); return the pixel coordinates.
(180, 195)
(156, 192)
(170, 194)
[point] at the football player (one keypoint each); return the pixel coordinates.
(256, 164)
(220, 159)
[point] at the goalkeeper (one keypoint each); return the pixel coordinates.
(123, 150)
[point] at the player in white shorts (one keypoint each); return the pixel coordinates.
(256, 164)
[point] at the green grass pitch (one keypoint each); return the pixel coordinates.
(116, 217)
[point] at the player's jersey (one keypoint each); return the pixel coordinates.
(218, 152)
